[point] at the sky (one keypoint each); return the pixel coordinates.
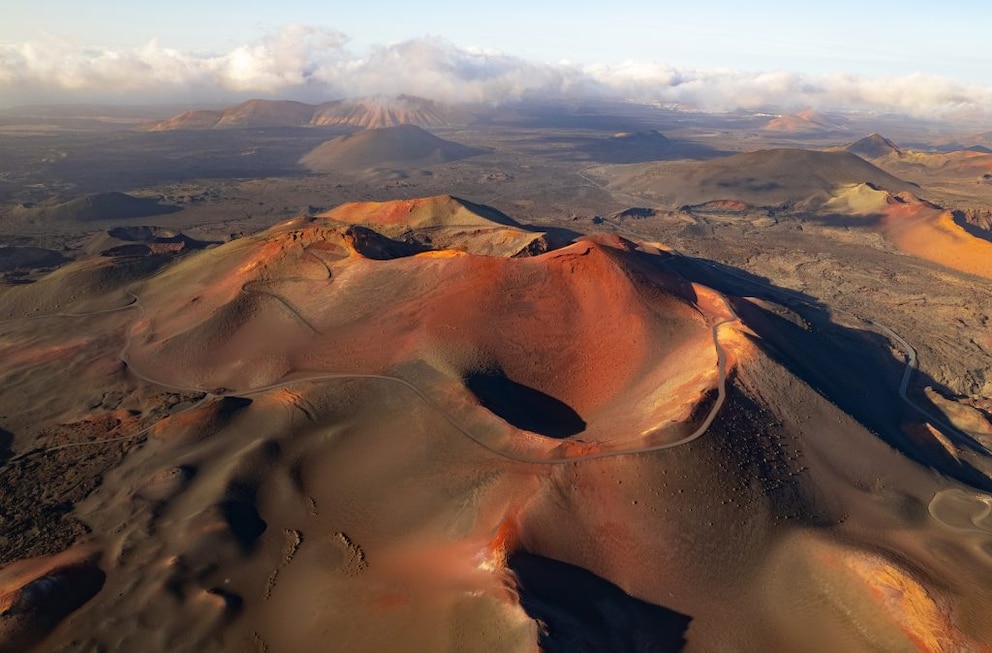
(912, 57)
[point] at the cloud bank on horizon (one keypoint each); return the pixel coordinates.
(314, 64)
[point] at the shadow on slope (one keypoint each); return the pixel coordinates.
(869, 222)
(6, 440)
(39, 606)
(961, 220)
(524, 407)
(853, 368)
(583, 613)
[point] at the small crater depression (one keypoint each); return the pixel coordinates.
(245, 523)
(524, 407)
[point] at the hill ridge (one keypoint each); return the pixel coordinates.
(873, 146)
(366, 112)
(406, 145)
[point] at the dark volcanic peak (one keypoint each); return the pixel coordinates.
(379, 111)
(404, 145)
(630, 147)
(873, 146)
(774, 177)
(109, 207)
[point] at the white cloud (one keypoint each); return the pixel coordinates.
(314, 64)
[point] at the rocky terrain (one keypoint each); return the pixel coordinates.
(598, 386)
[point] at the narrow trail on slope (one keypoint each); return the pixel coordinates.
(317, 377)
(795, 297)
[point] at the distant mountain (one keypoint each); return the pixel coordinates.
(92, 208)
(630, 147)
(764, 178)
(952, 163)
(873, 146)
(770, 177)
(197, 119)
(404, 145)
(362, 112)
(805, 121)
(266, 113)
(389, 112)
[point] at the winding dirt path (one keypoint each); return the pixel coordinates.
(317, 377)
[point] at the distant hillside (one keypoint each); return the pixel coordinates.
(630, 147)
(362, 112)
(119, 112)
(389, 112)
(91, 208)
(770, 177)
(873, 146)
(764, 178)
(950, 166)
(804, 122)
(266, 113)
(189, 120)
(405, 145)
(141, 241)
(253, 113)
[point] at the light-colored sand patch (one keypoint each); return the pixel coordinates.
(962, 510)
